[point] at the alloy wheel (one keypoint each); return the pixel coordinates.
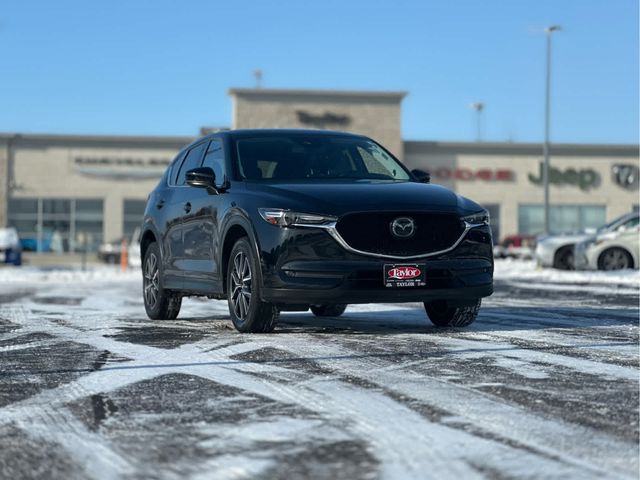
(614, 259)
(151, 282)
(241, 285)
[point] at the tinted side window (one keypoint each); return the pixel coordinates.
(194, 157)
(215, 159)
(173, 168)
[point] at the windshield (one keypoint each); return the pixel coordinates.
(303, 156)
(631, 222)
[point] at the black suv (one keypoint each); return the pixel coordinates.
(278, 220)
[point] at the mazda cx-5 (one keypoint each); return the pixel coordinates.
(292, 220)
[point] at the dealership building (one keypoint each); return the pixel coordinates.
(65, 191)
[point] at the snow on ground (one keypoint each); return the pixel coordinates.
(507, 269)
(72, 274)
(543, 385)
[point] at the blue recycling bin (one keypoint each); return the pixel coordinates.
(13, 256)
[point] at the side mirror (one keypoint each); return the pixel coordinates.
(203, 177)
(421, 175)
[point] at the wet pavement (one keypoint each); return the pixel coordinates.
(543, 385)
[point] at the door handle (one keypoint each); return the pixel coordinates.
(160, 204)
(187, 207)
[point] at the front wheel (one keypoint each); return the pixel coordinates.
(330, 310)
(159, 303)
(443, 315)
(248, 313)
(614, 259)
(563, 259)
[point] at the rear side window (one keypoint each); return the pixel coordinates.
(173, 168)
(193, 160)
(214, 158)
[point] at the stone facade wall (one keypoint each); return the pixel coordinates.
(525, 166)
(53, 170)
(376, 115)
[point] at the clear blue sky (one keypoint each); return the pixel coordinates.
(163, 67)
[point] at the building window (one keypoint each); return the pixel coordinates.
(57, 225)
(132, 218)
(562, 218)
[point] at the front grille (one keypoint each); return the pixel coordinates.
(370, 232)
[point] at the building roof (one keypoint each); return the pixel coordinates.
(410, 146)
(97, 140)
(396, 95)
(522, 148)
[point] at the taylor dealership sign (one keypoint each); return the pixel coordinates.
(584, 178)
(323, 120)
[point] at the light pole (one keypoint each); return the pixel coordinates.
(258, 75)
(547, 105)
(478, 107)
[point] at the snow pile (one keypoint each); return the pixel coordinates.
(505, 269)
(510, 269)
(10, 275)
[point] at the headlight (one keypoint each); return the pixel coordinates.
(287, 218)
(480, 218)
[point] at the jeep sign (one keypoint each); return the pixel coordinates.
(584, 178)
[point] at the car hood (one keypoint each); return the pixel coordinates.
(336, 198)
(564, 239)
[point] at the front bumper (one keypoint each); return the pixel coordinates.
(581, 258)
(545, 254)
(310, 267)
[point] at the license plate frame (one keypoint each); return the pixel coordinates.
(404, 277)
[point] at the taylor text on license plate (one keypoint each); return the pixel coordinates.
(406, 275)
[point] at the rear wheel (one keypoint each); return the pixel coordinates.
(248, 313)
(563, 259)
(614, 259)
(330, 310)
(443, 315)
(159, 303)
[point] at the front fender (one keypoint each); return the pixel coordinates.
(148, 225)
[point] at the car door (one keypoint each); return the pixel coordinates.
(200, 227)
(181, 207)
(169, 213)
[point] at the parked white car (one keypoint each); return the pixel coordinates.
(133, 249)
(557, 251)
(615, 250)
(9, 239)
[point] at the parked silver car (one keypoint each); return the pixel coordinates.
(614, 250)
(557, 251)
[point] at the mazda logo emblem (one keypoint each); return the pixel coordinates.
(403, 227)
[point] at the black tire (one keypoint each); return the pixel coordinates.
(563, 259)
(615, 258)
(442, 315)
(159, 303)
(330, 310)
(248, 313)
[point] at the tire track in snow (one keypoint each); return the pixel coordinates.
(405, 446)
(554, 438)
(331, 397)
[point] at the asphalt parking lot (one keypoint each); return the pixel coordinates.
(543, 385)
